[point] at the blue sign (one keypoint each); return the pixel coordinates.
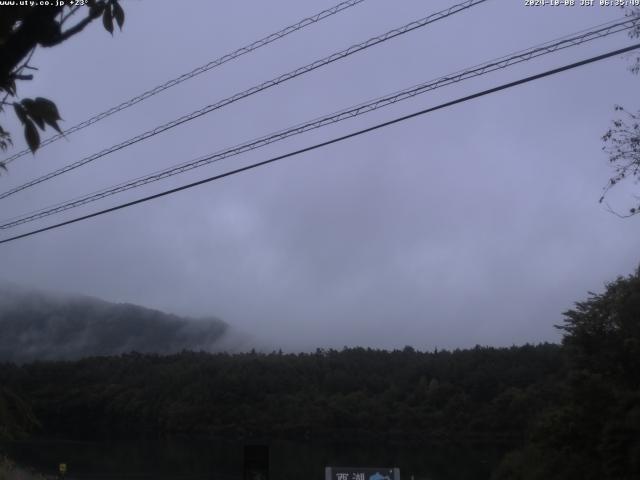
(361, 473)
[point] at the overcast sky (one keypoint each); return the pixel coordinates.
(477, 224)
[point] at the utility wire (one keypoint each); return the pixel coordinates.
(500, 63)
(263, 86)
(195, 72)
(330, 142)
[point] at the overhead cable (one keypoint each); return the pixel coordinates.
(493, 65)
(263, 86)
(328, 142)
(193, 73)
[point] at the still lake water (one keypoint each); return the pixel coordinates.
(211, 459)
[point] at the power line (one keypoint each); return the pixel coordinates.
(246, 93)
(195, 72)
(330, 142)
(351, 112)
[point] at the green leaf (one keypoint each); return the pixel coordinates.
(20, 113)
(5, 139)
(118, 14)
(33, 110)
(47, 109)
(54, 125)
(95, 9)
(32, 136)
(39, 121)
(29, 104)
(107, 20)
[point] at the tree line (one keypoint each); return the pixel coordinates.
(556, 411)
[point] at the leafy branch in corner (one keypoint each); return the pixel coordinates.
(23, 29)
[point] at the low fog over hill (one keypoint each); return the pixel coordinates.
(35, 325)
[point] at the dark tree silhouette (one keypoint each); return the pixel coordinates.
(622, 141)
(592, 430)
(23, 28)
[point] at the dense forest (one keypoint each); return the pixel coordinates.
(569, 411)
(439, 395)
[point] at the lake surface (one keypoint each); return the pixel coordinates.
(211, 459)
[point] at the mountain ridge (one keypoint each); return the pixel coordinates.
(40, 325)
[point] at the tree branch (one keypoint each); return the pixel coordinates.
(77, 28)
(17, 76)
(619, 215)
(36, 28)
(71, 12)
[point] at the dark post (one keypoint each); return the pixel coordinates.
(256, 462)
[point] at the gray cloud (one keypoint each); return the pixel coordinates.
(477, 224)
(53, 326)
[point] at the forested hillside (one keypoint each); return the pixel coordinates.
(592, 431)
(569, 411)
(483, 393)
(44, 326)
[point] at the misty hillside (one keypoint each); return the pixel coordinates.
(44, 326)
